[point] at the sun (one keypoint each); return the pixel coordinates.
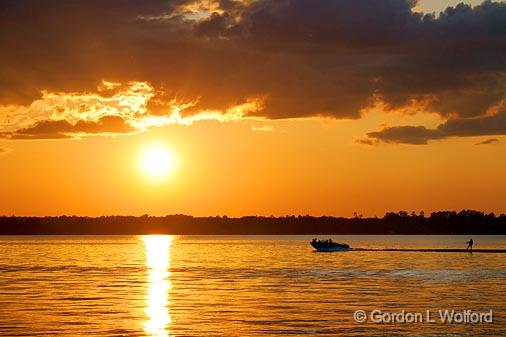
(157, 162)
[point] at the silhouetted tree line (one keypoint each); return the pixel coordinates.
(443, 222)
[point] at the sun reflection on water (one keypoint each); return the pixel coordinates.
(157, 249)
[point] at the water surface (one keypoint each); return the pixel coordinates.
(242, 285)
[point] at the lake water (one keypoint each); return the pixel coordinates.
(244, 286)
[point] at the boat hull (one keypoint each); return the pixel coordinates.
(330, 246)
(332, 249)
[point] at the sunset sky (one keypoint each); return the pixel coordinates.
(251, 107)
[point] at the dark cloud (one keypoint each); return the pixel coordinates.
(56, 45)
(470, 127)
(364, 24)
(415, 135)
(366, 141)
(305, 58)
(457, 58)
(62, 129)
(488, 141)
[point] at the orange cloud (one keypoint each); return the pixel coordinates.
(488, 141)
(262, 128)
(114, 108)
(4, 150)
(62, 129)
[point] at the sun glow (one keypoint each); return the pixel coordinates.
(157, 162)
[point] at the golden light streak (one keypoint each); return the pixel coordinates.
(157, 250)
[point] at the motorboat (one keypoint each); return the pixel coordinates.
(329, 246)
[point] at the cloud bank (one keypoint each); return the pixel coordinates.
(300, 58)
(455, 127)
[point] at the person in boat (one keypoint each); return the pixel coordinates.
(470, 244)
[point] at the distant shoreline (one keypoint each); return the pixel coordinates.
(466, 222)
